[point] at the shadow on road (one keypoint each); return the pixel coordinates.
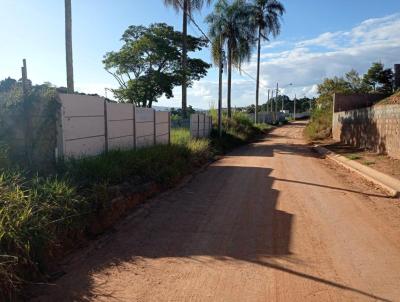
(217, 214)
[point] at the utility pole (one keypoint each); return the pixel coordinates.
(68, 47)
(268, 101)
(294, 111)
(276, 101)
(27, 115)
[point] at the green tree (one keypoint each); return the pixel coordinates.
(267, 15)
(186, 6)
(328, 87)
(379, 79)
(149, 63)
(355, 82)
(231, 25)
(7, 84)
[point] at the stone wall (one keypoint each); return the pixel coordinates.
(375, 128)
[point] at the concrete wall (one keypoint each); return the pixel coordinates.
(345, 102)
(82, 125)
(200, 125)
(376, 128)
(89, 126)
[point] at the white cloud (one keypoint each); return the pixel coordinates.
(304, 63)
(307, 62)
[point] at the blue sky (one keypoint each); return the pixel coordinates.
(319, 39)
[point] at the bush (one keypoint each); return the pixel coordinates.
(320, 125)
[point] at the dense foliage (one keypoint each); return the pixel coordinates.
(148, 65)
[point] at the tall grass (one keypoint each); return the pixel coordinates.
(34, 211)
(320, 125)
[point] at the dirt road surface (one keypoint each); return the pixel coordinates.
(269, 222)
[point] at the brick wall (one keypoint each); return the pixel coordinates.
(376, 128)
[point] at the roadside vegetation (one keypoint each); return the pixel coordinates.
(41, 215)
(376, 80)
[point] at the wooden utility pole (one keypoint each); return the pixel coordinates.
(268, 104)
(24, 72)
(294, 111)
(276, 101)
(27, 113)
(68, 47)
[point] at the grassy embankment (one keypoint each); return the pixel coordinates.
(37, 213)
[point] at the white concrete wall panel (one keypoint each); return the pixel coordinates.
(144, 127)
(144, 115)
(82, 127)
(121, 143)
(82, 105)
(84, 147)
(116, 111)
(162, 128)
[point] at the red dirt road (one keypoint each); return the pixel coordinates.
(269, 222)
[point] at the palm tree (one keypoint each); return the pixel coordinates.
(267, 15)
(218, 57)
(231, 24)
(68, 47)
(187, 7)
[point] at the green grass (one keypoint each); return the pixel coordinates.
(368, 162)
(353, 156)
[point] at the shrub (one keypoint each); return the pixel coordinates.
(320, 125)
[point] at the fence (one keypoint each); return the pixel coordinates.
(89, 126)
(268, 117)
(180, 123)
(200, 125)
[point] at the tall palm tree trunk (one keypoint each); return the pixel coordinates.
(221, 66)
(258, 75)
(184, 57)
(229, 80)
(68, 47)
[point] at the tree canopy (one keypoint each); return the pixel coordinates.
(379, 78)
(148, 65)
